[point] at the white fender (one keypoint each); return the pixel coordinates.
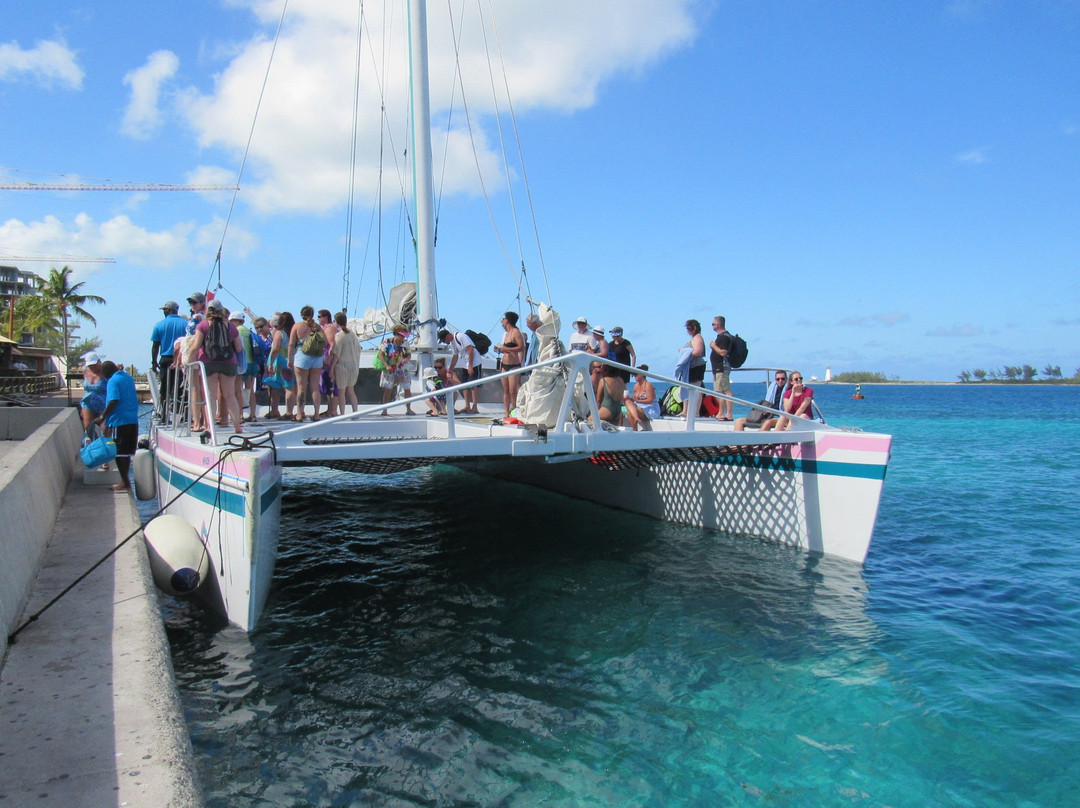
(178, 559)
(145, 474)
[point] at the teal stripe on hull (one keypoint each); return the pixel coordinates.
(823, 467)
(209, 493)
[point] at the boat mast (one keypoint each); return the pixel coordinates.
(427, 302)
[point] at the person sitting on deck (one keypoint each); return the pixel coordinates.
(798, 400)
(760, 418)
(610, 392)
(642, 406)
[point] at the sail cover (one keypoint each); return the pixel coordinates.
(400, 311)
(541, 395)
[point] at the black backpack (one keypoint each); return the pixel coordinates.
(737, 351)
(217, 344)
(481, 341)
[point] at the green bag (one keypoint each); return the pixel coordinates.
(314, 343)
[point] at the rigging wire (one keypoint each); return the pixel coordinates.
(347, 270)
(523, 278)
(521, 158)
(476, 159)
(247, 147)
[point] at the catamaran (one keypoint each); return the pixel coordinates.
(814, 487)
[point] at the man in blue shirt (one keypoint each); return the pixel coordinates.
(166, 333)
(121, 418)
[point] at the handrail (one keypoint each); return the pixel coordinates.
(175, 412)
(577, 363)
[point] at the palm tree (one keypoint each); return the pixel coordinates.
(33, 314)
(59, 292)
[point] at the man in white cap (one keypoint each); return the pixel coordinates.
(162, 341)
(579, 340)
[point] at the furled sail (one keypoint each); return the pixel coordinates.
(400, 310)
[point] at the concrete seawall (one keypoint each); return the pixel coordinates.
(88, 699)
(34, 472)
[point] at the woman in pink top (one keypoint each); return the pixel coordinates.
(217, 369)
(798, 400)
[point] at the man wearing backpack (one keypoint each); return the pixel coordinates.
(721, 367)
(464, 352)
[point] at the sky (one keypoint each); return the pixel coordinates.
(889, 187)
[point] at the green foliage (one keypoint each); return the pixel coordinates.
(66, 298)
(1020, 374)
(34, 316)
(861, 377)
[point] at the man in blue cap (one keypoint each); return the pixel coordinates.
(166, 332)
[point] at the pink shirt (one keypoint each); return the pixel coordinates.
(807, 394)
(204, 327)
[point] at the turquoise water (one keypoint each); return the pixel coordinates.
(436, 639)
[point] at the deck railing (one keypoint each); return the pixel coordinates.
(181, 399)
(574, 366)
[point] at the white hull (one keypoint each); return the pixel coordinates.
(819, 505)
(815, 487)
(235, 509)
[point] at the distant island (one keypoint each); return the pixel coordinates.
(1010, 374)
(1019, 374)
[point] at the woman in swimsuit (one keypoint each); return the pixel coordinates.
(642, 407)
(512, 353)
(610, 391)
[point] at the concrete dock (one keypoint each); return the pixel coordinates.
(89, 711)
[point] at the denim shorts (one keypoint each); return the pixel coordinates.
(303, 361)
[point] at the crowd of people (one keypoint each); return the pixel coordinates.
(317, 358)
(294, 360)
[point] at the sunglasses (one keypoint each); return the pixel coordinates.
(796, 378)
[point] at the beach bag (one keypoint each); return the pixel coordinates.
(377, 362)
(217, 345)
(98, 452)
(481, 341)
(314, 343)
(737, 351)
(758, 416)
(671, 403)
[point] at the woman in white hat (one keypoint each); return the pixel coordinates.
(579, 340)
(597, 344)
(94, 384)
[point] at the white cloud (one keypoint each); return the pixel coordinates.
(49, 62)
(974, 157)
(957, 331)
(555, 55)
(143, 115)
(120, 239)
(887, 319)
